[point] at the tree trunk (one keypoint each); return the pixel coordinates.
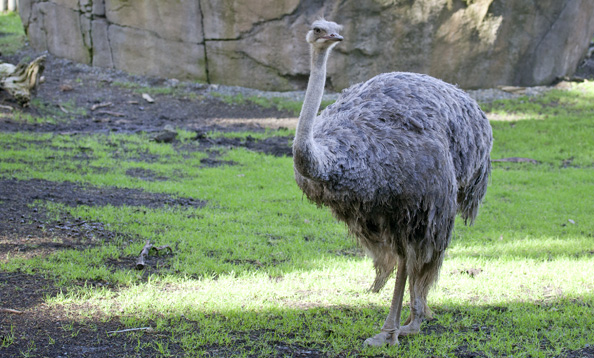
(12, 5)
(21, 80)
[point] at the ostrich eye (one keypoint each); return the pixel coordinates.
(317, 30)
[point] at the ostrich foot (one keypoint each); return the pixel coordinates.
(389, 337)
(409, 329)
(412, 325)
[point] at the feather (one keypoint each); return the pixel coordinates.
(396, 158)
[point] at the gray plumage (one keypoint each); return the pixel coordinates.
(395, 158)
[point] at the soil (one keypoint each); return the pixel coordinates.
(111, 103)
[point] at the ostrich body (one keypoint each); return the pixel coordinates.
(395, 158)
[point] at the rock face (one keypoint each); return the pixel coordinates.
(261, 44)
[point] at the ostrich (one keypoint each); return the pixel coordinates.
(395, 158)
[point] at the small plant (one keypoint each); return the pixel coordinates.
(7, 339)
(162, 347)
(67, 327)
(31, 348)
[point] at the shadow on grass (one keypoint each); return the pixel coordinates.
(557, 327)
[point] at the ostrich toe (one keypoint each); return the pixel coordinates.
(409, 329)
(384, 337)
(414, 321)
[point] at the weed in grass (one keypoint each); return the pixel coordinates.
(31, 348)
(162, 347)
(7, 338)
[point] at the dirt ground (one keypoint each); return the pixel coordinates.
(36, 330)
(43, 331)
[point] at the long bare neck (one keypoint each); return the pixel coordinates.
(309, 158)
(315, 90)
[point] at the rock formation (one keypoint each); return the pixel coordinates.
(473, 43)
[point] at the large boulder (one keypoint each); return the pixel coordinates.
(68, 37)
(473, 43)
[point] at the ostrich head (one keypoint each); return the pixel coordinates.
(324, 34)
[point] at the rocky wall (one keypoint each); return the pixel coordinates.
(260, 44)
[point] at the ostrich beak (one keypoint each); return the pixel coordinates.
(333, 37)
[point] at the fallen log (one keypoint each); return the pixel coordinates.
(21, 81)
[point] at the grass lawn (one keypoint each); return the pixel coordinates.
(256, 270)
(258, 267)
(12, 35)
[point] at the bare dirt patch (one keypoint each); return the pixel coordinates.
(27, 230)
(41, 330)
(278, 146)
(81, 98)
(78, 99)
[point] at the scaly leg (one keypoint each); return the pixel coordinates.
(428, 313)
(416, 316)
(420, 282)
(389, 332)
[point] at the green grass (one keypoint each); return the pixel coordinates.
(50, 113)
(552, 128)
(267, 133)
(259, 266)
(156, 90)
(12, 35)
(281, 104)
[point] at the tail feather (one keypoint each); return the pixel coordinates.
(385, 264)
(471, 196)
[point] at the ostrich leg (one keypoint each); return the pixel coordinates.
(421, 280)
(406, 328)
(389, 332)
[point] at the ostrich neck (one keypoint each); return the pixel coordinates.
(309, 157)
(315, 91)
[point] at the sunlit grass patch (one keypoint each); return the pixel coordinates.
(509, 307)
